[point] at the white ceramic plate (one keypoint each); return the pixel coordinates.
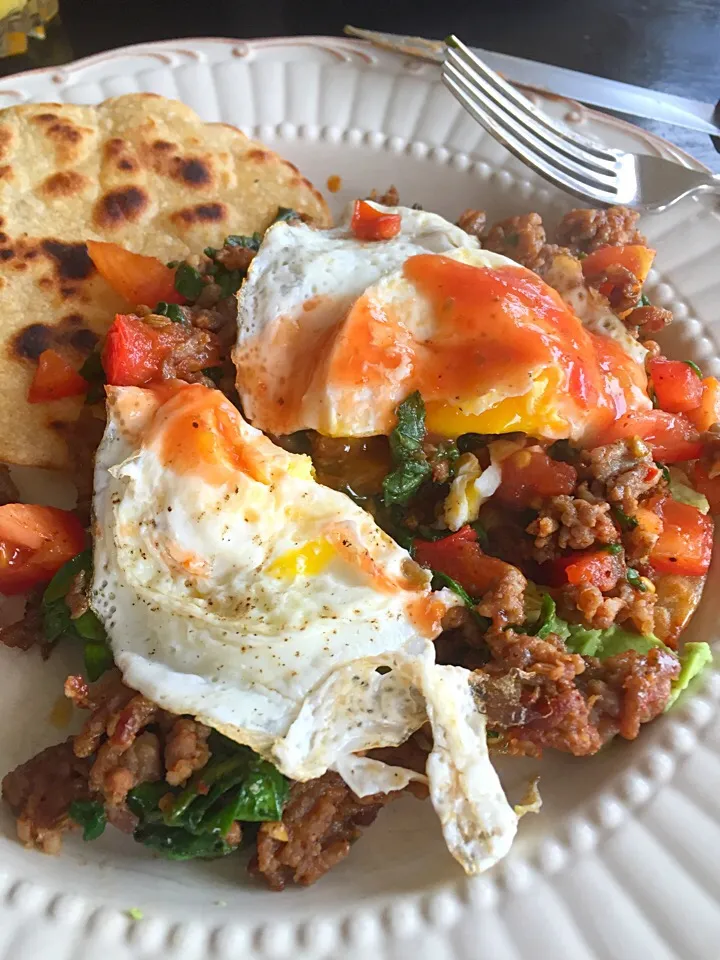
(624, 861)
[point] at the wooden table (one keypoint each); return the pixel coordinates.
(667, 45)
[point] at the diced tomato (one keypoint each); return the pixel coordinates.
(634, 257)
(685, 544)
(459, 556)
(137, 278)
(35, 542)
(708, 412)
(134, 351)
(368, 223)
(677, 387)
(670, 436)
(596, 568)
(528, 475)
(707, 485)
(54, 379)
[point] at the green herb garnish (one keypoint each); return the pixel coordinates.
(286, 213)
(695, 367)
(90, 815)
(469, 442)
(642, 302)
(625, 521)
(411, 465)
(92, 371)
(251, 242)
(87, 629)
(189, 282)
(440, 580)
(613, 548)
(170, 310)
(236, 784)
(635, 580)
(482, 536)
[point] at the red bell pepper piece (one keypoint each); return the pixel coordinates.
(368, 223)
(677, 386)
(529, 475)
(54, 379)
(670, 436)
(136, 278)
(685, 544)
(35, 541)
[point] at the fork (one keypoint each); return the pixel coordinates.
(594, 173)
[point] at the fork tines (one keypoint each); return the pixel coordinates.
(570, 161)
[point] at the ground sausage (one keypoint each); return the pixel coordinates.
(629, 689)
(647, 320)
(27, 632)
(472, 222)
(40, 792)
(186, 749)
(626, 471)
(573, 523)
(505, 602)
(585, 230)
(321, 820)
(625, 288)
(520, 238)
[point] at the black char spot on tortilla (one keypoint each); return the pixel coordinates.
(72, 260)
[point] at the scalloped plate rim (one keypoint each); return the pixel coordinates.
(455, 898)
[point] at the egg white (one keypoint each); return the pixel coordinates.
(200, 623)
(300, 293)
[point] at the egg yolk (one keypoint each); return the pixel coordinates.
(534, 413)
(491, 350)
(308, 560)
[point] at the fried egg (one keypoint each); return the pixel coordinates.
(237, 589)
(334, 332)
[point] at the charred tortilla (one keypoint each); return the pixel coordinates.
(139, 170)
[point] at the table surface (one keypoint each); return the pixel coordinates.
(667, 45)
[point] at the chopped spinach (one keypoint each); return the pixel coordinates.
(440, 580)
(286, 213)
(469, 442)
(635, 580)
(446, 450)
(411, 465)
(589, 642)
(564, 451)
(189, 282)
(170, 310)
(405, 480)
(90, 815)
(251, 242)
(625, 521)
(92, 371)
(236, 784)
(59, 625)
(482, 536)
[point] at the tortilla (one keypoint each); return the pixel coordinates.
(139, 170)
